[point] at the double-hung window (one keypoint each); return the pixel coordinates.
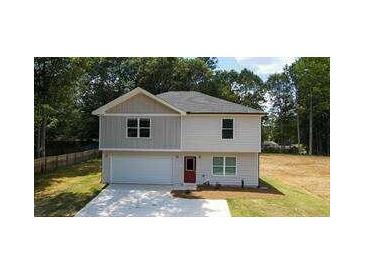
(227, 128)
(144, 127)
(224, 166)
(138, 127)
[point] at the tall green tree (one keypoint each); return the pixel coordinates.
(243, 87)
(104, 80)
(282, 107)
(311, 78)
(54, 82)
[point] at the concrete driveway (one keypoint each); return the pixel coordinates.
(149, 201)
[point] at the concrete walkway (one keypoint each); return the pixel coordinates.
(119, 200)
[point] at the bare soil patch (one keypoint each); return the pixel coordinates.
(226, 192)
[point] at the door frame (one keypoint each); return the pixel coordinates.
(183, 166)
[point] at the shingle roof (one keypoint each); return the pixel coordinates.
(197, 102)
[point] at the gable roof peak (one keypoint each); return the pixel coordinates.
(138, 90)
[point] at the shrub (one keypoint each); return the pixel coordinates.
(286, 149)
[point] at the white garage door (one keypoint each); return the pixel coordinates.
(142, 169)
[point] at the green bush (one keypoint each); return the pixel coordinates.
(286, 150)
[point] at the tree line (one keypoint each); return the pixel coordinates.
(66, 90)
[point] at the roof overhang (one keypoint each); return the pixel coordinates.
(127, 96)
(229, 113)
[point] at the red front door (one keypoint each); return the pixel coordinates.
(190, 169)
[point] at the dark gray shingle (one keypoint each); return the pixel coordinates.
(197, 102)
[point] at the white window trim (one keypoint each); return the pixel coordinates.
(138, 127)
(224, 166)
(233, 123)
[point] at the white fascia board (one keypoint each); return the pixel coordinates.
(224, 114)
(142, 114)
(142, 149)
(177, 150)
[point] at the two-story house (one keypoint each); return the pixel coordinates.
(179, 137)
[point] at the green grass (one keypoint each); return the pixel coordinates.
(65, 191)
(294, 202)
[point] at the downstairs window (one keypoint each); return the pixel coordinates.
(224, 166)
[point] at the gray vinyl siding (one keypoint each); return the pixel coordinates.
(204, 133)
(247, 169)
(165, 133)
(141, 104)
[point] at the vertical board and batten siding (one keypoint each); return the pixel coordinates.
(165, 133)
(165, 130)
(204, 133)
(141, 104)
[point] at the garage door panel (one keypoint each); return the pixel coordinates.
(152, 170)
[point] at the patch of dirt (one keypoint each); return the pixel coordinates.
(311, 173)
(226, 192)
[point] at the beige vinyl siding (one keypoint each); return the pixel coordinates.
(247, 169)
(141, 104)
(204, 133)
(164, 134)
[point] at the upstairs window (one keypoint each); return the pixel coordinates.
(138, 127)
(144, 127)
(227, 128)
(132, 127)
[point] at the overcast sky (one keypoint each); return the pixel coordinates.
(262, 66)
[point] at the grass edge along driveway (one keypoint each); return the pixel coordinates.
(294, 202)
(64, 191)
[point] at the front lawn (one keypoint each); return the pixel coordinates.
(65, 191)
(297, 186)
(304, 182)
(292, 202)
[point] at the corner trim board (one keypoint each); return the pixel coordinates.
(110, 168)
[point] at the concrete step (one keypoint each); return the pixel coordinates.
(185, 187)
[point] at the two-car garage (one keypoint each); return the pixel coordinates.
(141, 169)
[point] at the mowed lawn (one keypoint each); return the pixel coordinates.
(303, 183)
(65, 191)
